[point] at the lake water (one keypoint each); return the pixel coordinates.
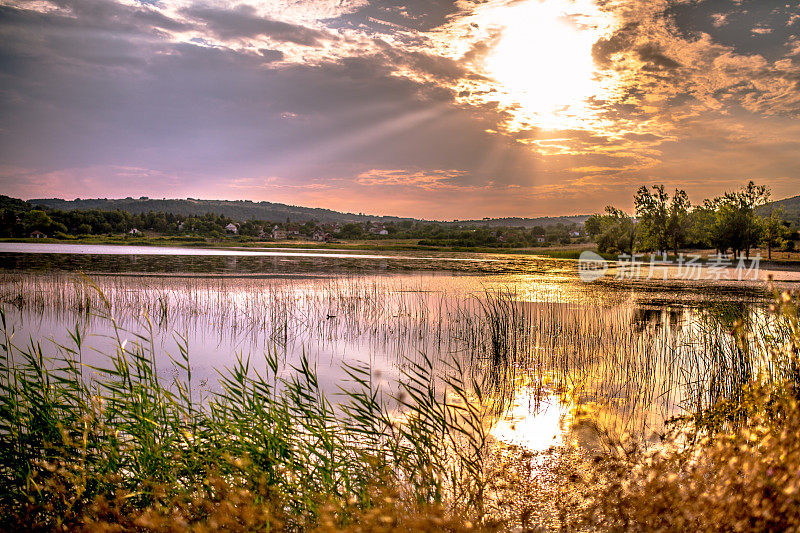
(630, 354)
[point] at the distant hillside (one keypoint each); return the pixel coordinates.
(790, 206)
(527, 222)
(235, 209)
(248, 210)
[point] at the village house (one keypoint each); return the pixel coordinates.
(279, 234)
(319, 235)
(232, 228)
(378, 229)
(134, 231)
(540, 239)
(36, 234)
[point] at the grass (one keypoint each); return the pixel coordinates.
(88, 444)
(735, 468)
(115, 445)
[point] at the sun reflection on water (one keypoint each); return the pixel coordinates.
(533, 422)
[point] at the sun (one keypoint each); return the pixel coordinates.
(542, 61)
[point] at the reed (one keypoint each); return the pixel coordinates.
(733, 467)
(72, 435)
(83, 442)
(592, 349)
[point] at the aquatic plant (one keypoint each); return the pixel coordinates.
(81, 443)
(733, 467)
(599, 348)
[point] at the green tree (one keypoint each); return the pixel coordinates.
(737, 225)
(36, 219)
(308, 227)
(773, 231)
(652, 210)
(352, 231)
(663, 220)
(614, 232)
(677, 224)
(700, 225)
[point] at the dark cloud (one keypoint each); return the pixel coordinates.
(413, 15)
(624, 40)
(243, 21)
(652, 54)
(271, 55)
(619, 41)
(211, 111)
(98, 15)
(741, 17)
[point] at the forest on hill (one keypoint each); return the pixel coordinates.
(249, 210)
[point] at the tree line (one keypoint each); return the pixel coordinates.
(662, 223)
(21, 219)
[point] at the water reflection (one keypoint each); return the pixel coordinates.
(543, 345)
(533, 422)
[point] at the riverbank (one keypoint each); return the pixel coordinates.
(362, 244)
(782, 261)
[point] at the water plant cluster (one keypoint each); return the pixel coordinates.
(599, 348)
(84, 444)
(733, 467)
(116, 446)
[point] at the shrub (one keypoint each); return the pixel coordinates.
(734, 468)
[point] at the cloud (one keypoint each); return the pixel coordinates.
(95, 181)
(315, 102)
(437, 179)
(619, 41)
(719, 19)
(243, 21)
(651, 53)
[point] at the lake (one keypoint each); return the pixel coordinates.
(567, 360)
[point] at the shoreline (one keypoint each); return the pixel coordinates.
(571, 252)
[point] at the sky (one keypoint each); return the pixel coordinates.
(425, 108)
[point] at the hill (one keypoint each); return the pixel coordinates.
(515, 222)
(235, 209)
(790, 206)
(248, 210)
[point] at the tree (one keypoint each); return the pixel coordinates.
(750, 197)
(773, 231)
(36, 219)
(737, 225)
(352, 230)
(677, 224)
(663, 220)
(652, 210)
(614, 232)
(699, 226)
(308, 227)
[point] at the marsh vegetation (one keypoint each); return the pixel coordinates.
(360, 401)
